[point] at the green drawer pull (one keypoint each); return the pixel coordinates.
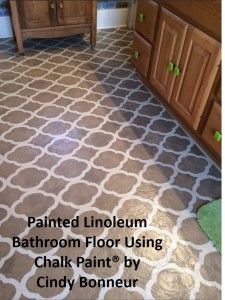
(136, 54)
(176, 71)
(170, 66)
(141, 17)
(217, 136)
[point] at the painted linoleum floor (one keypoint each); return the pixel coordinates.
(81, 135)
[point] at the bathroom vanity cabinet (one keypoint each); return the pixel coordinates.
(53, 18)
(177, 52)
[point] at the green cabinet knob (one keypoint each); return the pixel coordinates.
(170, 66)
(136, 54)
(217, 136)
(141, 17)
(176, 71)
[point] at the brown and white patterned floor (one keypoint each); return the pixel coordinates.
(81, 135)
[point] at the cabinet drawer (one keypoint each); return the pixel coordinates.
(146, 18)
(141, 54)
(212, 130)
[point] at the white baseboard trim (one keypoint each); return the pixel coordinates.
(5, 27)
(107, 18)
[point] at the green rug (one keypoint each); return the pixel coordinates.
(209, 218)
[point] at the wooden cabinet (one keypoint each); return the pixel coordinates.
(168, 48)
(185, 63)
(197, 69)
(212, 131)
(146, 18)
(53, 18)
(182, 54)
(141, 54)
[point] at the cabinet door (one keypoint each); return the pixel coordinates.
(146, 18)
(198, 67)
(72, 12)
(169, 45)
(38, 13)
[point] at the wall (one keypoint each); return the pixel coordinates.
(111, 18)
(5, 25)
(106, 4)
(112, 13)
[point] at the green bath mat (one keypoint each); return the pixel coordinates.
(209, 218)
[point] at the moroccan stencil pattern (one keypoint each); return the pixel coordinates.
(81, 135)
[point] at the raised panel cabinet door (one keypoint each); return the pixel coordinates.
(168, 48)
(73, 12)
(146, 18)
(38, 13)
(197, 70)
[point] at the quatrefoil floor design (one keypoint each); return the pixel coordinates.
(76, 121)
